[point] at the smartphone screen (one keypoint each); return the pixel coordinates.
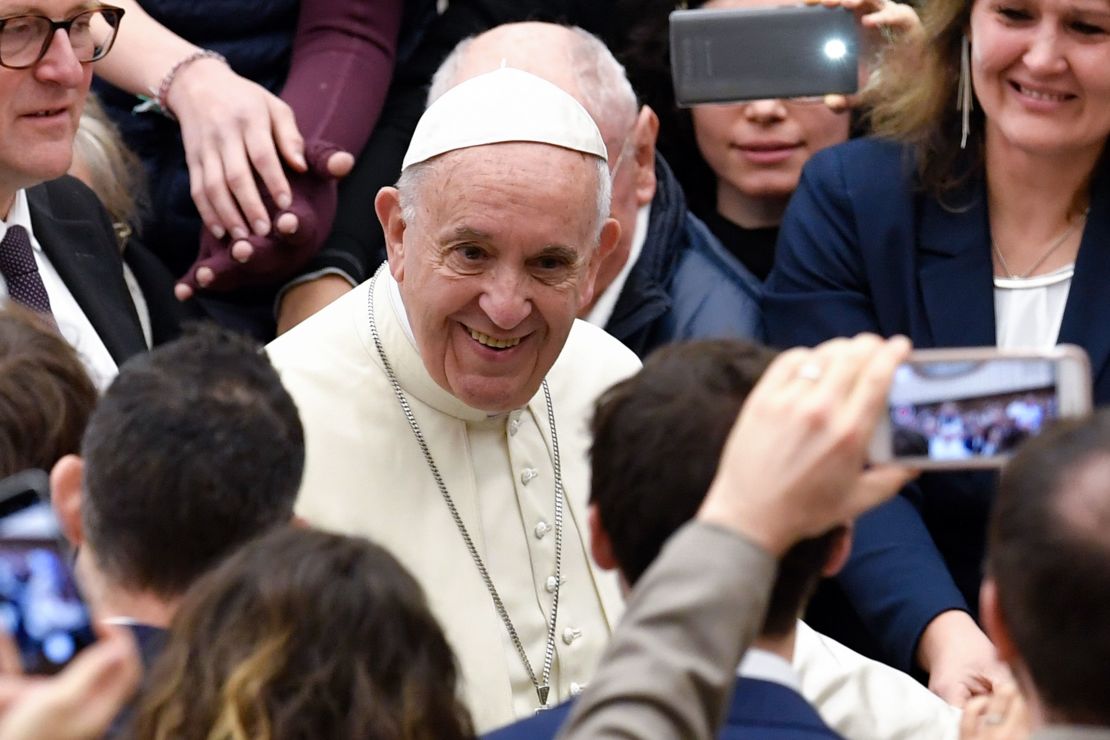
(957, 411)
(40, 606)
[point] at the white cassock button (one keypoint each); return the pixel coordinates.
(528, 475)
(570, 634)
(551, 584)
(514, 426)
(542, 529)
(576, 688)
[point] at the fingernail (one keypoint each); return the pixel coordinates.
(301, 160)
(204, 276)
(284, 200)
(182, 292)
(217, 231)
(238, 232)
(261, 227)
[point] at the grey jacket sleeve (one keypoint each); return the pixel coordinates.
(670, 667)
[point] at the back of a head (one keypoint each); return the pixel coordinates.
(45, 394)
(305, 634)
(195, 448)
(658, 437)
(1050, 560)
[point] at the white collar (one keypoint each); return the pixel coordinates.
(767, 666)
(20, 215)
(603, 307)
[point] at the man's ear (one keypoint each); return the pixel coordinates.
(839, 552)
(610, 235)
(644, 133)
(994, 622)
(66, 493)
(387, 205)
(601, 547)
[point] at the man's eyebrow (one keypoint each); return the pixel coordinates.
(467, 232)
(559, 251)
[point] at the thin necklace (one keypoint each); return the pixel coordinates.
(543, 683)
(1048, 252)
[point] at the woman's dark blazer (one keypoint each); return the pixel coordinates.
(862, 248)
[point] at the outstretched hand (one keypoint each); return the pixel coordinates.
(299, 231)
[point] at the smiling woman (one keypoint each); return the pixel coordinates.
(998, 236)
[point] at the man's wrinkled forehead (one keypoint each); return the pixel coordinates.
(506, 105)
(49, 8)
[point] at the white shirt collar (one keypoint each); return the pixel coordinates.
(767, 666)
(20, 215)
(603, 307)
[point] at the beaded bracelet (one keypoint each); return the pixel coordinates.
(158, 102)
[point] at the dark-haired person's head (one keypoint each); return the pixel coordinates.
(46, 395)
(657, 439)
(305, 634)
(1046, 601)
(194, 449)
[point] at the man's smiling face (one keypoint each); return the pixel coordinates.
(498, 256)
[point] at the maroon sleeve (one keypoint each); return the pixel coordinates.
(341, 67)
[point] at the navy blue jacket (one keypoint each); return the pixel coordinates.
(759, 709)
(684, 284)
(862, 248)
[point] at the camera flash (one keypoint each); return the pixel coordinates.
(835, 49)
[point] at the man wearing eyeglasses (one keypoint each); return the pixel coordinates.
(58, 253)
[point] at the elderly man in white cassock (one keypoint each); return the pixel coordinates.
(446, 400)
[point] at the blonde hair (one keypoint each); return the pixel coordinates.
(115, 172)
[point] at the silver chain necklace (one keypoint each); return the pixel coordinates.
(543, 683)
(1047, 253)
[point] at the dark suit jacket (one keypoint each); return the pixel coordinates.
(759, 709)
(863, 249)
(76, 235)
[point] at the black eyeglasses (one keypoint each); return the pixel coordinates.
(24, 39)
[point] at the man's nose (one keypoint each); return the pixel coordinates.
(505, 299)
(60, 64)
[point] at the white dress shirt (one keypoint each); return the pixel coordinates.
(1028, 311)
(71, 320)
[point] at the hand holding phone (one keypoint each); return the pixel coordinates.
(40, 606)
(971, 408)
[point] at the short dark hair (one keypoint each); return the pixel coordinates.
(46, 395)
(658, 437)
(302, 634)
(195, 448)
(1049, 556)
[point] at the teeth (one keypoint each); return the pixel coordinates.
(1037, 95)
(492, 342)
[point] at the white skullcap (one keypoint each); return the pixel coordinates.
(500, 106)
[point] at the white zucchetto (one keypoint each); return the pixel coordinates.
(502, 106)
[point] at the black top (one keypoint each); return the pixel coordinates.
(755, 248)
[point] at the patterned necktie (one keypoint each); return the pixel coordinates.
(17, 265)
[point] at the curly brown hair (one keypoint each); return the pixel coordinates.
(304, 634)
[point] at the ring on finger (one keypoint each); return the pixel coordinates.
(810, 371)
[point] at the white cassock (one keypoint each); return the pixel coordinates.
(365, 475)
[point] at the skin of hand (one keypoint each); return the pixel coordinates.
(78, 703)
(794, 463)
(265, 260)
(305, 299)
(961, 660)
(1000, 715)
(883, 22)
(233, 128)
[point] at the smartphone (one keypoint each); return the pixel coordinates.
(971, 408)
(788, 51)
(40, 605)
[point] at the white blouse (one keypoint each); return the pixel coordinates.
(1028, 311)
